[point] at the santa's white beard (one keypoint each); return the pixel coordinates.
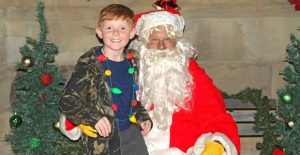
(164, 81)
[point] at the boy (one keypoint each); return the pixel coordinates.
(101, 90)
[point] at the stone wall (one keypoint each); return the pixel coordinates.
(240, 43)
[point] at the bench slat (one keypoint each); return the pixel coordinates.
(235, 104)
(246, 130)
(243, 116)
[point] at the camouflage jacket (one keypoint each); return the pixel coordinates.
(86, 98)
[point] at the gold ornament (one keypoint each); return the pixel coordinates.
(56, 125)
(291, 123)
(27, 61)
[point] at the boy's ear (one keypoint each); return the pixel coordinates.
(132, 33)
(98, 32)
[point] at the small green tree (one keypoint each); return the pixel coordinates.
(34, 125)
(282, 127)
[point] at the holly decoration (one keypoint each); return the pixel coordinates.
(15, 121)
(286, 98)
(46, 79)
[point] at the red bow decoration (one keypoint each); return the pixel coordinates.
(166, 4)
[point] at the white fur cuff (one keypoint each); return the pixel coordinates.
(73, 134)
(224, 140)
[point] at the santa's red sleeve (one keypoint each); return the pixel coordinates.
(207, 117)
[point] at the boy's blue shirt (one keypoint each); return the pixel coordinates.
(120, 78)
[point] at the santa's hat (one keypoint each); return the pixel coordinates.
(145, 21)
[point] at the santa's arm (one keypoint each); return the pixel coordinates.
(218, 125)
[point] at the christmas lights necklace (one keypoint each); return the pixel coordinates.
(117, 91)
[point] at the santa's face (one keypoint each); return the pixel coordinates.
(159, 39)
(163, 78)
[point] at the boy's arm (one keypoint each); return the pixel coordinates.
(142, 115)
(75, 102)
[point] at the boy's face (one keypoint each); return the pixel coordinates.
(115, 34)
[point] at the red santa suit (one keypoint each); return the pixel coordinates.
(189, 129)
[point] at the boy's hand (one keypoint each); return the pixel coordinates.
(146, 126)
(212, 148)
(88, 130)
(103, 127)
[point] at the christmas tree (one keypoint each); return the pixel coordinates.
(281, 128)
(34, 125)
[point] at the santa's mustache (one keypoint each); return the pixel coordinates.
(154, 56)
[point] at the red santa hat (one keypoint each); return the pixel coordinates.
(145, 21)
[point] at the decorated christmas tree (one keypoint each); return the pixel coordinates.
(38, 86)
(281, 128)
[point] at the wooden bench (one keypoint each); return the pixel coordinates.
(243, 114)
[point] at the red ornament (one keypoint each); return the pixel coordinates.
(101, 57)
(114, 107)
(129, 55)
(46, 79)
(134, 103)
(277, 151)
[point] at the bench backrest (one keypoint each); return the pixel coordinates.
(243, 114)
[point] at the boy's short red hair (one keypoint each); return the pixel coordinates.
(116, 11)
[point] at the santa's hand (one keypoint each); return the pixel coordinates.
(212, 148)
(88, 130)
(146, 126)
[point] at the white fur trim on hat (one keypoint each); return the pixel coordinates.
(153, 19)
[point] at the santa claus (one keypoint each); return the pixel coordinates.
(188, 112)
